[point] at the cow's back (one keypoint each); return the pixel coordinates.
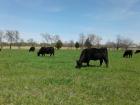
(94, 53)
(97, 52)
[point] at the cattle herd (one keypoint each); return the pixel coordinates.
(86, 55)
(129, 53)
(137, 51)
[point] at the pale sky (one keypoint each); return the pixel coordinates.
(69, 18)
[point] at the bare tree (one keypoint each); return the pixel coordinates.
(110, 44)
(50, 39)
(20, 43)
(98, 40)
(118, 42)
(65, 44)
(71, 43)
(82, 39)
(123, 42)
(92, 38)
(55, 38)
(10, 36)
(16, 36)
(46, 36)
(1, 38)
(16, 33)
(126, 43)
(31, 42)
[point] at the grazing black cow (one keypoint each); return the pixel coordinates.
(93, 54)
(46, 50)
(32, 49)
(137, 51)
(0, 49)
(128, 53)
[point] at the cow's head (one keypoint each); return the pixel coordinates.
(137, 52)
(124, 55)
(78, 64)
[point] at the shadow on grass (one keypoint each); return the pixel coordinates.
(90, 66)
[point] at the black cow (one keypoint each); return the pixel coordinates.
(137, 51)
(93, 54)
(0, 49)
(128, 53)
(32, 49)
(46, 50)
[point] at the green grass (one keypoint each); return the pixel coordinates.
(26, 79)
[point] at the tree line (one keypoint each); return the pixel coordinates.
(12, 38)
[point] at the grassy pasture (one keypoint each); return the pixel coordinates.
(26, 79)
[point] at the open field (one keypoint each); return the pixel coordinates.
(26, 79)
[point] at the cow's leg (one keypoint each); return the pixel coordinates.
(87, 63)
(106, 61)
(101, 61)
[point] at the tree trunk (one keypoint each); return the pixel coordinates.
(10, 46)
(1, 46)
(117, 48)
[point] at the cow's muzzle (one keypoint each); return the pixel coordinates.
(78, 65)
